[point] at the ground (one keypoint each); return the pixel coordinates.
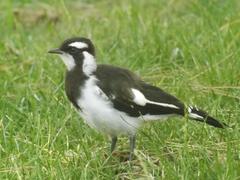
(188, 48)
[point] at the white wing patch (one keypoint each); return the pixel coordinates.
(79, 45)
(164, 104)
(140, 99)
(89, 63)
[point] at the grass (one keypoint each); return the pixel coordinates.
(188, 48)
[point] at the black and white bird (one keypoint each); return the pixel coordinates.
(114, 100)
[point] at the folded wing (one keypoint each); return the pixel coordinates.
(131, 95)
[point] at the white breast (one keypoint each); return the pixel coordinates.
(98, 111)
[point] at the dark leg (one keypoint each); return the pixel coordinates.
(113, 144)
(132, 139)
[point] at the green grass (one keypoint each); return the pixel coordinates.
(188, 48)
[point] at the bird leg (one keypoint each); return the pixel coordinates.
(113, 143)
(132, 140)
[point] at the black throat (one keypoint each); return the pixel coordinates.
(73, 82)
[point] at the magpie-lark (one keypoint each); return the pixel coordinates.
(114, 100)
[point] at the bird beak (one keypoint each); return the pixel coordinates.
(55, 51)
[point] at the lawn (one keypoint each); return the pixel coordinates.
(189, 48)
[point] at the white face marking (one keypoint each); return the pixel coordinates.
(89, 63)
(140, 99)
(68, 61)
(79, 45)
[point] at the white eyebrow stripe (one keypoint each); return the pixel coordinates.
(140, 99)
(79, 45)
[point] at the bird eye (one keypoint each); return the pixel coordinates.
(73, 50)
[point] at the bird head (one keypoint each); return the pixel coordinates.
(76, 52)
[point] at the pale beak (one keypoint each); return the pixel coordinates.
(56, 51)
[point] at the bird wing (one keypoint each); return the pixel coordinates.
(131, 95)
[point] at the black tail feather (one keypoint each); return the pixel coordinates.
(199, 115)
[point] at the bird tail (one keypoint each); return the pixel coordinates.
(199, 115)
